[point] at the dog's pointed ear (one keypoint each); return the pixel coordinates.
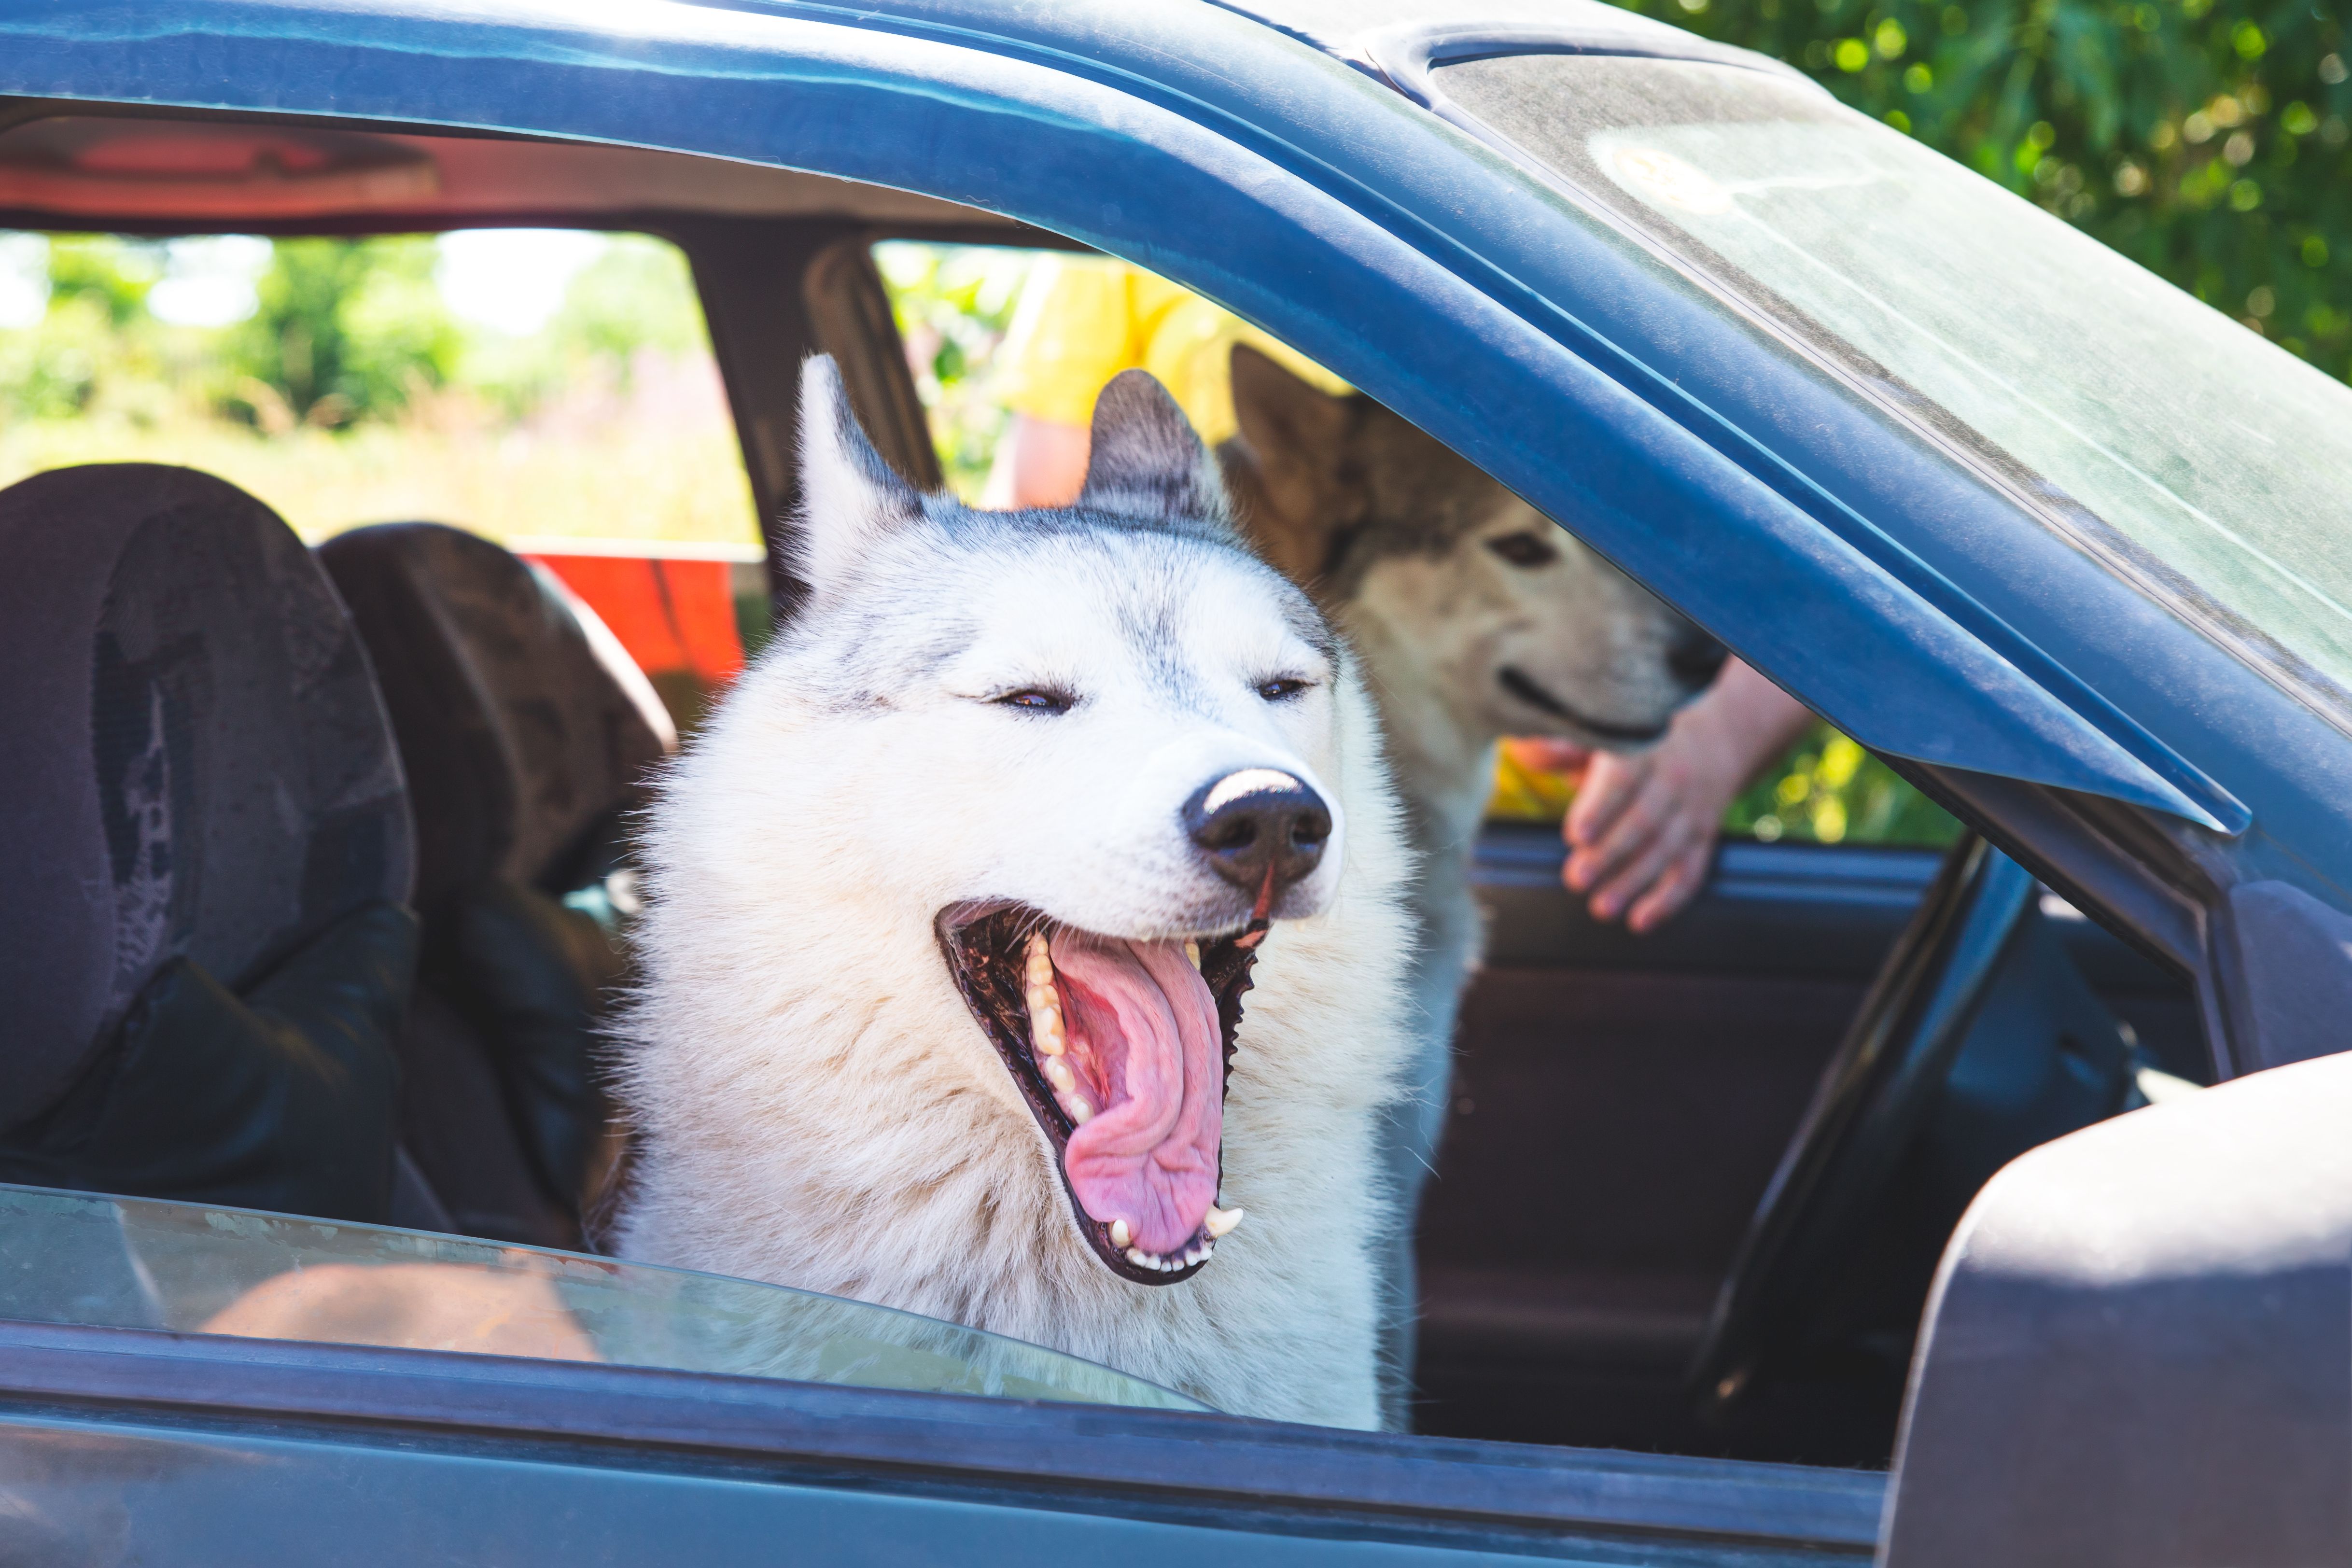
(1143, 458)
(1287, 466)
(849, 496)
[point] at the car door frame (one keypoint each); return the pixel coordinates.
(1234, 1473)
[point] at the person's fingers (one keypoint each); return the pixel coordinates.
(1675, 888)
(1612, 782)
(1640, 871)
(1649, 807)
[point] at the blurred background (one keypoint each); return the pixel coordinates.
(543, 386)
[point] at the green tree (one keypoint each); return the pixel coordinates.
(2205, 139)
(344, 330)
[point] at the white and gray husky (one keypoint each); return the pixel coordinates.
(1026, 942)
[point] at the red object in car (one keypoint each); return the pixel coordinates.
(675, 615)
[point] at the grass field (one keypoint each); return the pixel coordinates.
(613, 483)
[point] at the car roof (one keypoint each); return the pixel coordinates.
(1270, 156)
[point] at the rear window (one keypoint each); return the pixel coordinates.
(526, 385)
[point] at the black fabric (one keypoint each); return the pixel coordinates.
(534, 977)
(520, 739)
(199, 768)
(281, 1098)
(525, 749)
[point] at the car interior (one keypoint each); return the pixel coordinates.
(1693, 1185)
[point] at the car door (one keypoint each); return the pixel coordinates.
(184, 1382)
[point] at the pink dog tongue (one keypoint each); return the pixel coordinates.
(1143, 1040)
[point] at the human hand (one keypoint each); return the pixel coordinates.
(1643, 828)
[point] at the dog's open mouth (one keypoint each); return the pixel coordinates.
(1121, 1049)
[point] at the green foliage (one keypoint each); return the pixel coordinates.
(637, 296)
(346, 329)
(1828, 790)
(96, 332)
(954, 305)
(2205, 139)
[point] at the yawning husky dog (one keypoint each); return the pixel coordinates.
(1028, 915)
(1475, 617)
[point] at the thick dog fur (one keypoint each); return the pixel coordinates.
(1475, 618)
(814, 1101)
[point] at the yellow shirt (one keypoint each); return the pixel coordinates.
(1084, 319)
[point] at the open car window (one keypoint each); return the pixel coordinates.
(135, 1263)
(2207, 465)
(540, 386)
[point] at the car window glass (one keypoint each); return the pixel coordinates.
(524, 384)
(2209, 464)
(191, 1268)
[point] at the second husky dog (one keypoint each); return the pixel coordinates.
(1475, 618)
(954, 903)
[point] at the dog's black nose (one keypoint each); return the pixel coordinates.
(1695, 658)
(1256, 821)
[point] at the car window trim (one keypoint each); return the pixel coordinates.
(1216, 1462)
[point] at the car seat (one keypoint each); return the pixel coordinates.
(527, 735)
(203, 950)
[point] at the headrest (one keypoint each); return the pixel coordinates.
(522, 725)
(196, 762)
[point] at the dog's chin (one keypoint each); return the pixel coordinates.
(1529, 696)
(1121, 1050)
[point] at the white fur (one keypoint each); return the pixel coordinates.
(814, 1103)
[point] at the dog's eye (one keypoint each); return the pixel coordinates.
(1524, 549)
(1037, 700)
(1281, 687)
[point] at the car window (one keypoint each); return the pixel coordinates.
(2207, 464)
(528, 384)
(135, 1263)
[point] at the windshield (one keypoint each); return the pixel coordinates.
(2211, 466)
(134, 1263)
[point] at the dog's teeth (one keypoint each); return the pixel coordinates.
(1080, 1112)
(1120, 1236)
(1058, 1073)
(1220, 1222)
(1139, 1257)
(1192, 952)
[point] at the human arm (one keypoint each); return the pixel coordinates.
(1643, 828)
(1040, 462)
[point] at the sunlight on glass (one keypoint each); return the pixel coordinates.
(1665, 178)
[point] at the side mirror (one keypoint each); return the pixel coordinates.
(2139, 1346)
